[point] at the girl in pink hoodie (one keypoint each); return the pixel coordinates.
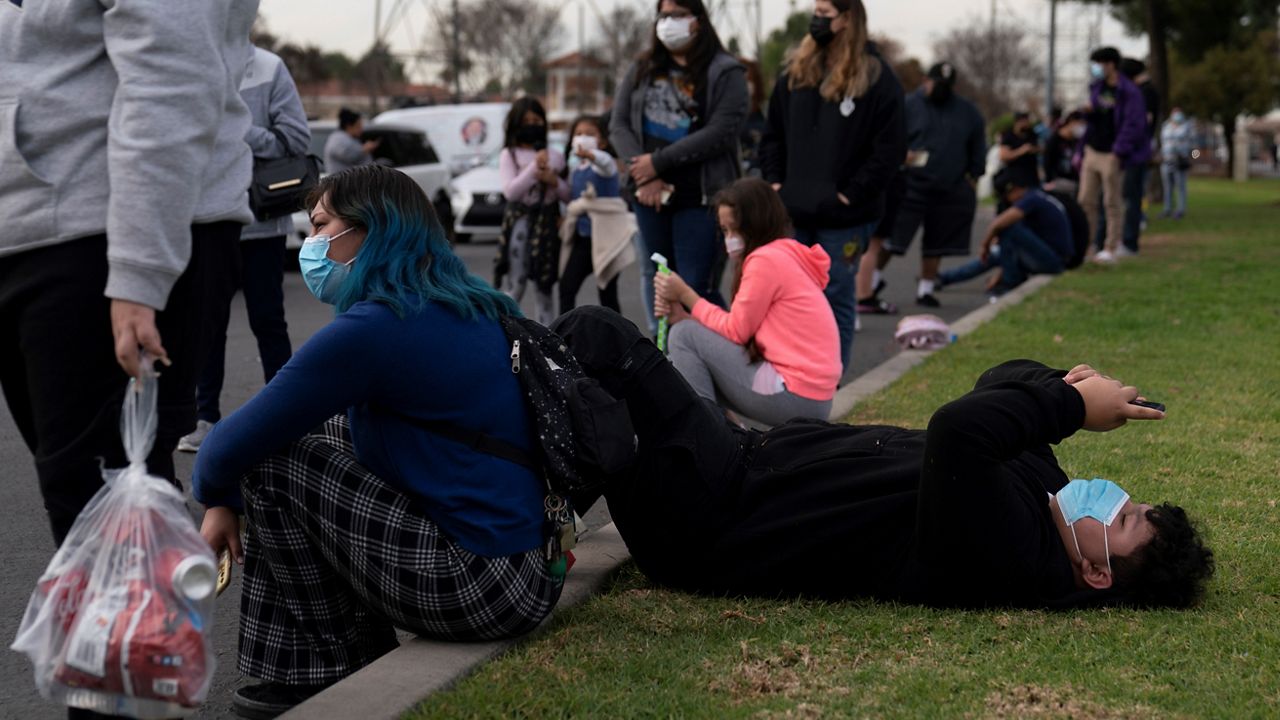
(775, 354)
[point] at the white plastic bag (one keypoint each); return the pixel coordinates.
(119, 622)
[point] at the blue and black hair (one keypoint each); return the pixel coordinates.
(405, 260)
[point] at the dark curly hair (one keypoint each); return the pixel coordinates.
(1169, 571)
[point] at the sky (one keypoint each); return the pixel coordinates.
(347, 25)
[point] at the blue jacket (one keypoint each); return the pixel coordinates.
(377, 367)
(1133, 142)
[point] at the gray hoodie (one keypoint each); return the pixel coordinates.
(123, 117)
(279, 125)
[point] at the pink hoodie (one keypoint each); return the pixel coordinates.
(780, 303)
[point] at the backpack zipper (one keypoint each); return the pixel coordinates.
(515, 356)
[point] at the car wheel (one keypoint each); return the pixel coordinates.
(444, 211)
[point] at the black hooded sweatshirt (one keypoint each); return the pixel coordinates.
(817, 148)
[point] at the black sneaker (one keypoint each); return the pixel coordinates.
(928, 300)
(269, 700)
(875, 306)
(880, 286)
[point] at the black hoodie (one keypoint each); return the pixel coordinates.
(815, 150)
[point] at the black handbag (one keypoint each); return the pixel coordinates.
(281, 185)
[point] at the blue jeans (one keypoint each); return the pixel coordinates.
(1175, 183)
(1021, 253)
(843, 246)
(261, 276)
(1135, 186)
(688, 240)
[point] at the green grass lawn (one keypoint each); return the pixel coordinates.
(1195, 323)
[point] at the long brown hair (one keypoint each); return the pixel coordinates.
(853, 69)
(759, 214)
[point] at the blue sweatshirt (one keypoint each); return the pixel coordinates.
(432, 365)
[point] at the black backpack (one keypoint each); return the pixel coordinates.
(584, 434)
(1079, 228)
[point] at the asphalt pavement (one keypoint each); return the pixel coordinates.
(28, 545)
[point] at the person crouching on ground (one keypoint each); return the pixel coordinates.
(1031, 237)
(775, 354)
(974, 511)
(359, 521)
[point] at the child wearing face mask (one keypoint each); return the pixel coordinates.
(775, 354)
(593, 180)
(531, 173)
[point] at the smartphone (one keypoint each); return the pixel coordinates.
(1148, 404)
(224, 570)
(666, 195)
(920, 159)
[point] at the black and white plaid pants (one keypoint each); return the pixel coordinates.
(336, 559)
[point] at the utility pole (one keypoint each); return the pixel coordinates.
(456, 59)
(582, 60)
(1052, 67)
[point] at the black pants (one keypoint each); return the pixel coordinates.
(258, 269)
(576, 270)
(58, 367)
(690, 458)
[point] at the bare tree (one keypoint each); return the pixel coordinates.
(503, 44)
(627, 31)
(997, 67)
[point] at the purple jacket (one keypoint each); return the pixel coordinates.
(1133, 143)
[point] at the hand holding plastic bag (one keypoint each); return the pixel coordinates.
(119, 622)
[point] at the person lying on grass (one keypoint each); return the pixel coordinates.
(973, 511)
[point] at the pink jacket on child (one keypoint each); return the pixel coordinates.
(780, 303)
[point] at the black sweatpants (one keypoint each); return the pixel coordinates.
(669, 510)
(58, 367)
(576, 270)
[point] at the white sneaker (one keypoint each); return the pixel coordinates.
(191, 443)
(1105, 257)
(857, 323)
(1123, 252)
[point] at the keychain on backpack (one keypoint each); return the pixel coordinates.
(661, 261)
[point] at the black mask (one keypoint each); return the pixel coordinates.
(820, 30)
(535, 135)
(941, 93)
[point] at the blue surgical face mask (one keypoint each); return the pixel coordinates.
(1096, 71)
(1098, 499)
(323, 276)
(1179, 118)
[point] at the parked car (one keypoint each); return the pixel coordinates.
(402, 147)
(465, 135)
(478, 202)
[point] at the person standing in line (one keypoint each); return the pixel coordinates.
(279, 130)
(594, 177)
(1136, 171)
(678, 112)
(344, 148)
(753, 128)
(125, 177)
(1020, 147)
(946, 154)
(834, 141)
(1175, 144)
(1060, 171)
(1115, 139)
(529, 248)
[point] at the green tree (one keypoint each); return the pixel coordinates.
(774, 49)
(1230, 81)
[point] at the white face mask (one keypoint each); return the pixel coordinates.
(588, 142)
(676, 33)
(733, 243)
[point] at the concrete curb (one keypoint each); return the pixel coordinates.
(884, 374)
(401, 679)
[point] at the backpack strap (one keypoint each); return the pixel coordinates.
(474, 439)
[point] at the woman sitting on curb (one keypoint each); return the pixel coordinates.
(359, 520)
(973, 511)
(775, 354)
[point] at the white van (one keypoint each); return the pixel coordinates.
(465, 136)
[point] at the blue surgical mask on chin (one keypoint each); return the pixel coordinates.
(323, 276)
(1098, 499)
(1096, 71)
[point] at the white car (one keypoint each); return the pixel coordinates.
(404, 148)
(478, 202)
(465, 135)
